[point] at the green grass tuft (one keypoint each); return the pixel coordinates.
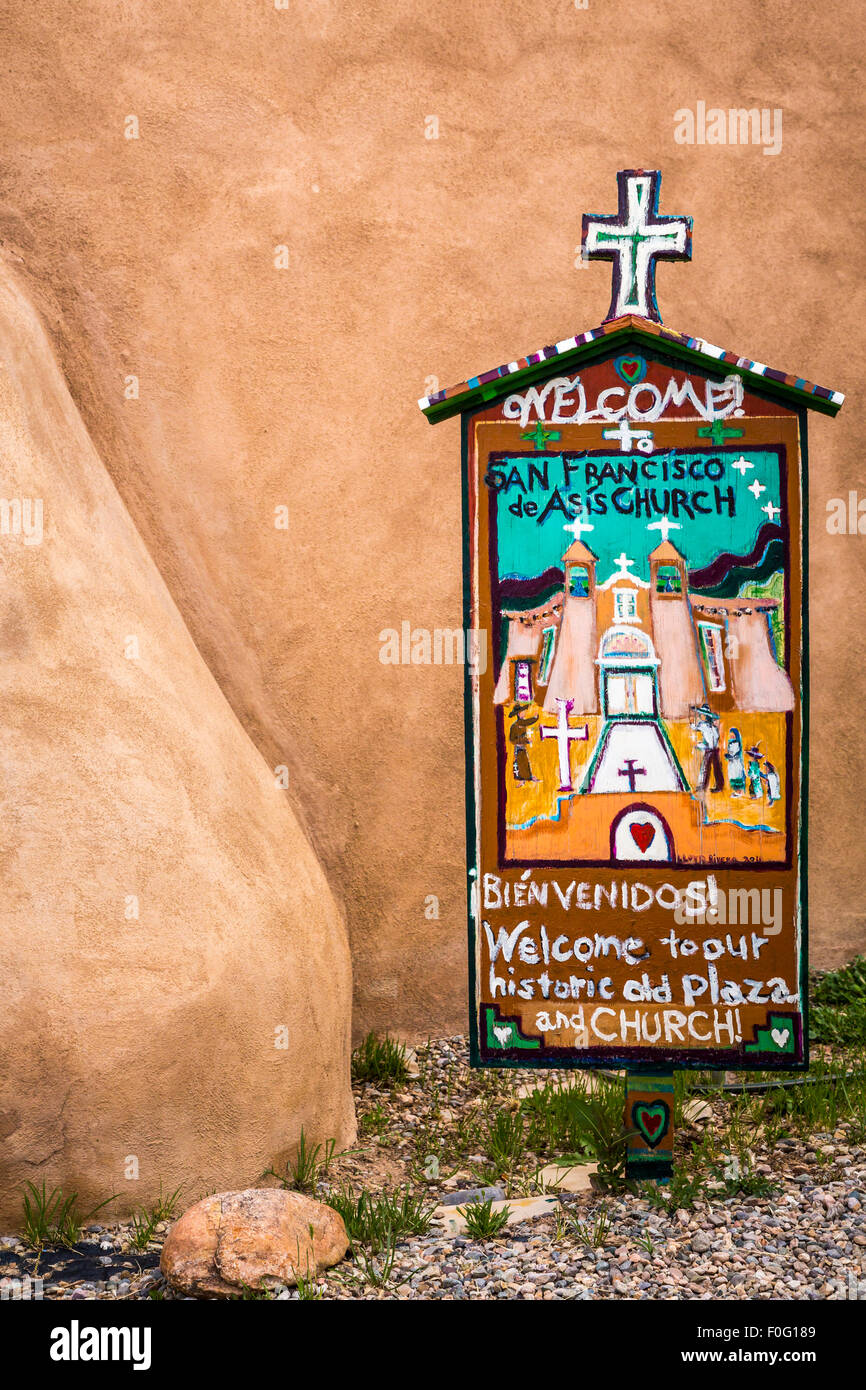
(49, 1218)
(375, 1221)
(309, 1164)
(482, 1222)
(380, 1059)
(838, 1005)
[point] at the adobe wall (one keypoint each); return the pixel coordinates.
(407, 258)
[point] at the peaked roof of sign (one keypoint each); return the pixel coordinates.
(481, 390)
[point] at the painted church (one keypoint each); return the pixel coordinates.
(629, 646)
(651, 686)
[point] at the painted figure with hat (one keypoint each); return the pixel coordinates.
(519, 736)
(753, 771)
(705, 722)
(736, 766)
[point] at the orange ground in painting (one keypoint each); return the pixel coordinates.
(582, 830)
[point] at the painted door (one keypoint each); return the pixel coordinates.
(629, 692)
(640, 835)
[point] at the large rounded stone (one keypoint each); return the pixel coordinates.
(253, 1239)
(176, 980)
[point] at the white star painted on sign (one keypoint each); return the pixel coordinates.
(771, 510)
(756, 489)
(741, 465)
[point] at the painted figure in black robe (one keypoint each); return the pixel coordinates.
(519, 736)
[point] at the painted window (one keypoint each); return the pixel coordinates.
(523, 682)
(578, 581)
(547, 643)
(712, 647)
(625, 642)
(624, 605)
(668, 580)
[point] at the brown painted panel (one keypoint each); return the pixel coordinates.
(637, 731)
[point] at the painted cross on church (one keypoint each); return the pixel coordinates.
(578, 526)
(631, 772)
(633, 238)
(665, 525)
(564, 735)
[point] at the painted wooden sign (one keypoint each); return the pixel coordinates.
(635, 550)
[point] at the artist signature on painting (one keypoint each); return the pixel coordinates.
(718, 859)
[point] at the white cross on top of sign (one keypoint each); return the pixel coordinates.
(633, 238)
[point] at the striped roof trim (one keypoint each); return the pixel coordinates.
(501, 381)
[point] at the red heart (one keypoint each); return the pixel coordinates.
(643, 833)
(630, 367)
(652, 1124)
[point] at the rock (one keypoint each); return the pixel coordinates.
(697, 1111)
(519, 1209)
(164, 917)
(566, 1080)
(567, 1177)
(476, 1194)
(701, 1242)
(257, 1238)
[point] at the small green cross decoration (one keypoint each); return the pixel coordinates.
(717, 432)
(541, 437)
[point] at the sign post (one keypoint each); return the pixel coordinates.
(635, 548)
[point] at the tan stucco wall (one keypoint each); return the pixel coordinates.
(411, 258)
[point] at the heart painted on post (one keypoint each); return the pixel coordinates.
(651, 1121)
(780, 1036)
(643, 833)
(630, 369)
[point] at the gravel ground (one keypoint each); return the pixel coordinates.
(806, 1240)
